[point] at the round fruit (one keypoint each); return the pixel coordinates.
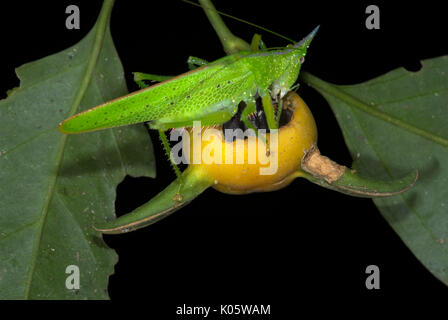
(250, 165)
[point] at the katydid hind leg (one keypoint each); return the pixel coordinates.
(211, 118)
(166, 147)
(138, 78)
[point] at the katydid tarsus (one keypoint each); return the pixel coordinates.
(210, 93)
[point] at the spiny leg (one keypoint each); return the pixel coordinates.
(139, 79)
(166, 147)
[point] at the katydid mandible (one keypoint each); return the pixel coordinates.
(210, 94)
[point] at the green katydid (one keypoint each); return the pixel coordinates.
(210, 94)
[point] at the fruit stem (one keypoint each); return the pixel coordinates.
(328, 174)
(162, 205)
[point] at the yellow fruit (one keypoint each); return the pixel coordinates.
(282, 162)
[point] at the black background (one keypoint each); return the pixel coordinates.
(280, 248)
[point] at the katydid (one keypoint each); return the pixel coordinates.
(210, 94)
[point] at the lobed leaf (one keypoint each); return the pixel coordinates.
(392, 125)
(54, 188)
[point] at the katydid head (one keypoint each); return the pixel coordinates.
(307, 40)
(295, 56)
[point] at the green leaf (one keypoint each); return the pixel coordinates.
(395, 124)
(329, 174)
(163, 204)
(54, 188)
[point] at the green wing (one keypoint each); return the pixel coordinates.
(213, 100)
(143, 105)
(210, 93)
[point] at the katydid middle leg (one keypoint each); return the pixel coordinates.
(279, 112)
(268, 109)
(269, 113)
(248, 111)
